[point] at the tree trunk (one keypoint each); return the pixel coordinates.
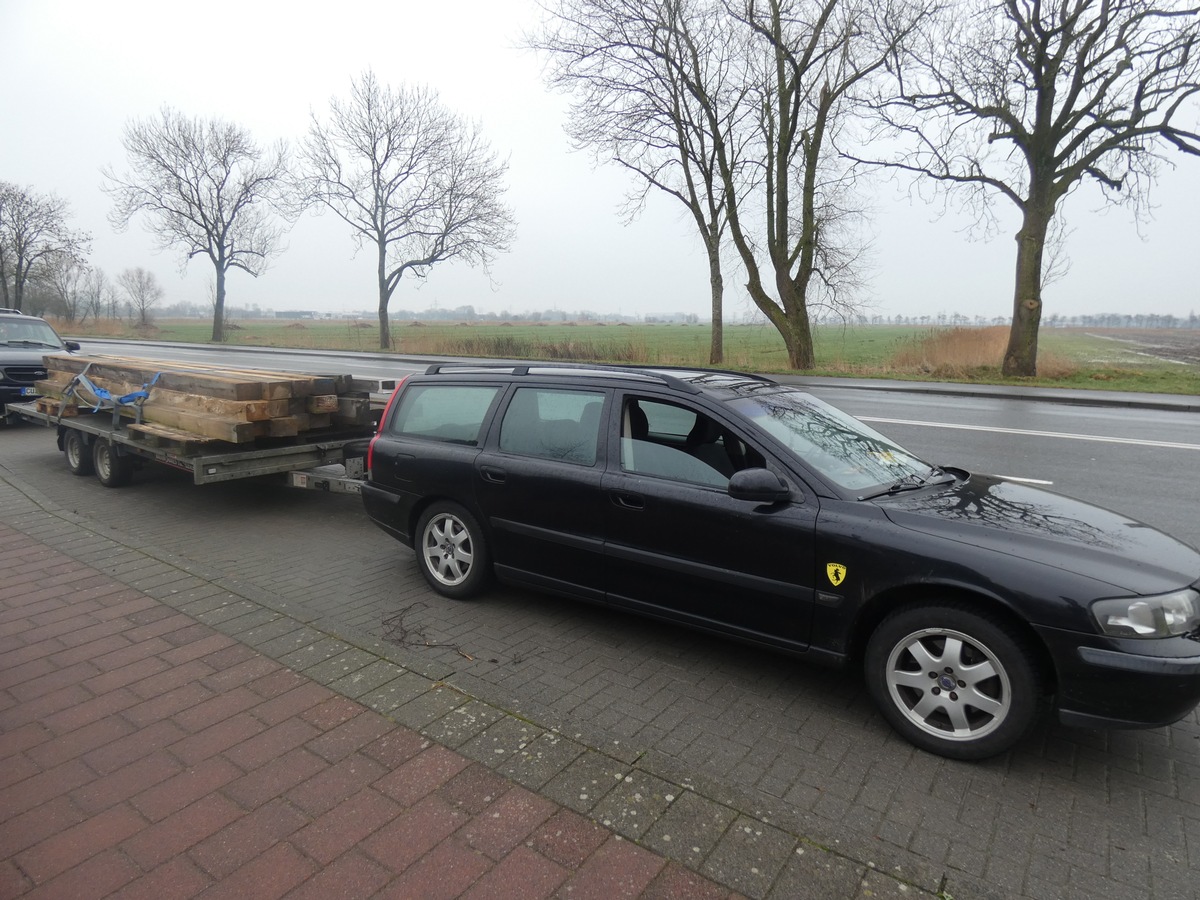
(385, 332)
(218, 332)
(716, 282)
(1020, 359)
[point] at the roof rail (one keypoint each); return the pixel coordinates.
(663, 374)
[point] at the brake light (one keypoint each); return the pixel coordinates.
(382, 420)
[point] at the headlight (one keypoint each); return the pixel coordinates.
(1149, 617)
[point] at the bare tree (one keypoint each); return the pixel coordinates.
(33, 231)
(630, 66)
(97, 294)
(409, 177)
(67, 277)
(793, 215)
(1028, 100)
(143, 291)
(206, 188)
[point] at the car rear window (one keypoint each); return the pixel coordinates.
(453, 413)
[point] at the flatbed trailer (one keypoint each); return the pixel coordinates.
(98, 443)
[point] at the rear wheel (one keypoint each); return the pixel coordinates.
(451, 551)
(112, 468)
(78, 453)
(954, 682)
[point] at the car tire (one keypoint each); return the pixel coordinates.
(112, 468)
(958, 683)
(451, 551)
(78, 453)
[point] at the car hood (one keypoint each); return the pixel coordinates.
(13, 355)
(1050, 529)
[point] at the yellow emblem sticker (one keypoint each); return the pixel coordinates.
(836, 573)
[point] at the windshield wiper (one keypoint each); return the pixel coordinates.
(25, 343)
(912, 482)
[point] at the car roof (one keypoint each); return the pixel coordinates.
(686, 380)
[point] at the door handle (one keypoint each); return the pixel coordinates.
(492, 474)
(628, 501)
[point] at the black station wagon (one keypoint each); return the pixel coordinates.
(734, 504)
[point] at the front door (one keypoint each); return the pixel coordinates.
(679, 546)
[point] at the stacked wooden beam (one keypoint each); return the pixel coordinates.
(197, 401)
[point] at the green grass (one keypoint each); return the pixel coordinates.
(1067, 358)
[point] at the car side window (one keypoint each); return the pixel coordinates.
(453, 413)
(669, 440)
(553, 424)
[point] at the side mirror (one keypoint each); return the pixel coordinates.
(72, 346)
(759, 485)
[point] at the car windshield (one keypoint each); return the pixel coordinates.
(34, 333)
(838, 446)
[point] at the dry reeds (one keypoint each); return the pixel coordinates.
(966, 353)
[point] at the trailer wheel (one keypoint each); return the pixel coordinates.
(112, 469)
(78, 453)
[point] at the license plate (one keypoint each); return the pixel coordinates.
(29, 392)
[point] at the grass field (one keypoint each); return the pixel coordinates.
(1125, 360)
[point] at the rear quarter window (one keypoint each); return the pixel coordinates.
(452, 413)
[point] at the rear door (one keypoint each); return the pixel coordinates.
(679, 546)
(539, 481)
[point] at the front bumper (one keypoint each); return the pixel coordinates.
(1122, 683)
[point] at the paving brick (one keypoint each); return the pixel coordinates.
(95, 877)
(268, 876)
(413, 833)
(141, 742)
(568, 838)
(166, 705)
(507, 822)
(43, 787)
(242, 841)
(341, 828)
(217, 738)
(72, 846)
(17, 768)
(522, 875)
(87, 739)
(421, 775)
(617, 869)
(272, 743)
(118, 786)
(177, 879)
(475, 788)
(274, 778)
(173, 794)
(444, 874)
(350, 736)
(220, 706)
(675, 882)
(22, 738)
(351, 876)
(52, 682)
(331, 784)
(396, 747)
(295, 702)
(176, 677)
(34, 826)
(156, 844)
(91, 711)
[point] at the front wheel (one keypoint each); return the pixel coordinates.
(78, 453)
(112, 468)
(451, 550)
(954, 682)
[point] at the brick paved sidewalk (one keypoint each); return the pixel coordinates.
(143, 754)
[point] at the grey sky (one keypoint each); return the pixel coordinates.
(75, 71)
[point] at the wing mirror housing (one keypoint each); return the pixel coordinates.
(759, 485)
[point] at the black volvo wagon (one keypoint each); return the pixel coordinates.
(734, 504)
